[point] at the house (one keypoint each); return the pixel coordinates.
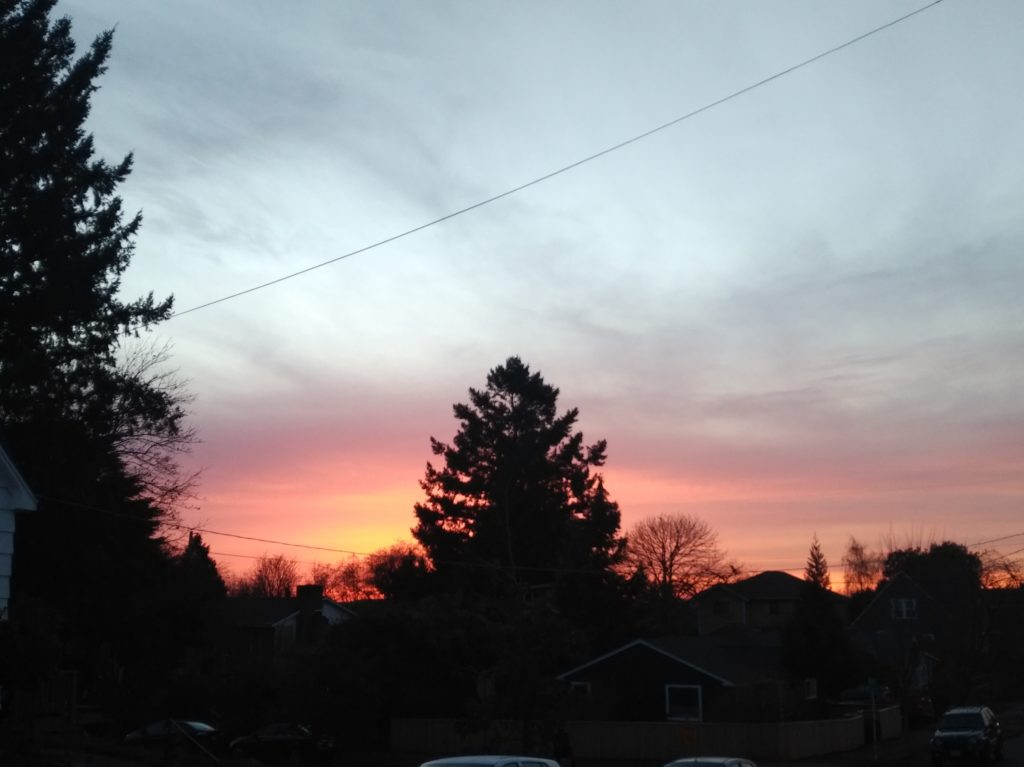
(1003, 640)
(15, 496)
(765, 601)
(261, 625)
(735, 676)
(902, 629)
(732, 670)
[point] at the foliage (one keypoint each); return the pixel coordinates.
(347, 581)
(196, 573)
(947, 570)
(816, 644)
(999, 571)
(398, 572)
(412, 659)
(816, 571)
(92, 420)
(271, 576)
(517, 503)
(952, 574)
(678, 555)
(862, 568)
(64, 245)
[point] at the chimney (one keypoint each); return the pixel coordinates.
(310, 598)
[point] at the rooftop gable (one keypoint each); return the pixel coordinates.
(14, 490)
(732, 664)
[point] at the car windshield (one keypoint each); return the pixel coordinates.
(961, 722)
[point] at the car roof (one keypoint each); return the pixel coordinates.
(484, 759)
(966, 710)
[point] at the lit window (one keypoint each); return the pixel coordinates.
(904, 609)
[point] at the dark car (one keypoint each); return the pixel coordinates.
(711, 761)
(284, 742)
(178, 737)
(967, 732)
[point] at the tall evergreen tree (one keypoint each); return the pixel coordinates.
(518, 501)
(95, 431)
(816, 571)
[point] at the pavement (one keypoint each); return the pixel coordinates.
(911, 749)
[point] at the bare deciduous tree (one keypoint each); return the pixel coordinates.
(678, 554)
(344, 581)
(862, 567)
(274, 576)
(1000, 571)
(148, 425)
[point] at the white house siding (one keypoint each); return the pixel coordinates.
(6, 550)
(14, 496)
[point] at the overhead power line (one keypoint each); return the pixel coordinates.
(459, 563)
(200, 529)
(564, 168)
(995, 540)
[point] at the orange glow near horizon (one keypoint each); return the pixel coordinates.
(761, 528)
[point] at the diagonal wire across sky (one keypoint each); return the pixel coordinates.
(565, 168)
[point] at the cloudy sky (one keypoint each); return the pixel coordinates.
(797, 312)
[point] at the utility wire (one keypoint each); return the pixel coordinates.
(995, 540)
(311, 547)
(349, 552)
(564, 168)
(198, 529)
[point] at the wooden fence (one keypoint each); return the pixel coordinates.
(633, 742)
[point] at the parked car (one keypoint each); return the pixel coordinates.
(491, 761)
(711, 761)
(971, 732)
(177, 736)
(284, 742)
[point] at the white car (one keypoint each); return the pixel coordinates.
(711, 761)
(491, 761)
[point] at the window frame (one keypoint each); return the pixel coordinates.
(903, 608)
(668, 700)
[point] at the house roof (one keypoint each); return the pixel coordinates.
(899, 581)
(14, 490)
(769, 585)
(736, 660)
(261, 612)
(256, 612)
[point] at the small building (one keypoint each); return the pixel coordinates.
(689, 679)
(263, 625)
(902, 630)
(765, 601)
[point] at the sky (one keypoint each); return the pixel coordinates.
(795, 313)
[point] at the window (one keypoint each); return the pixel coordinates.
(774, 608)
(810, 689)
(683, 702)
(720, 607)
(904, 609)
